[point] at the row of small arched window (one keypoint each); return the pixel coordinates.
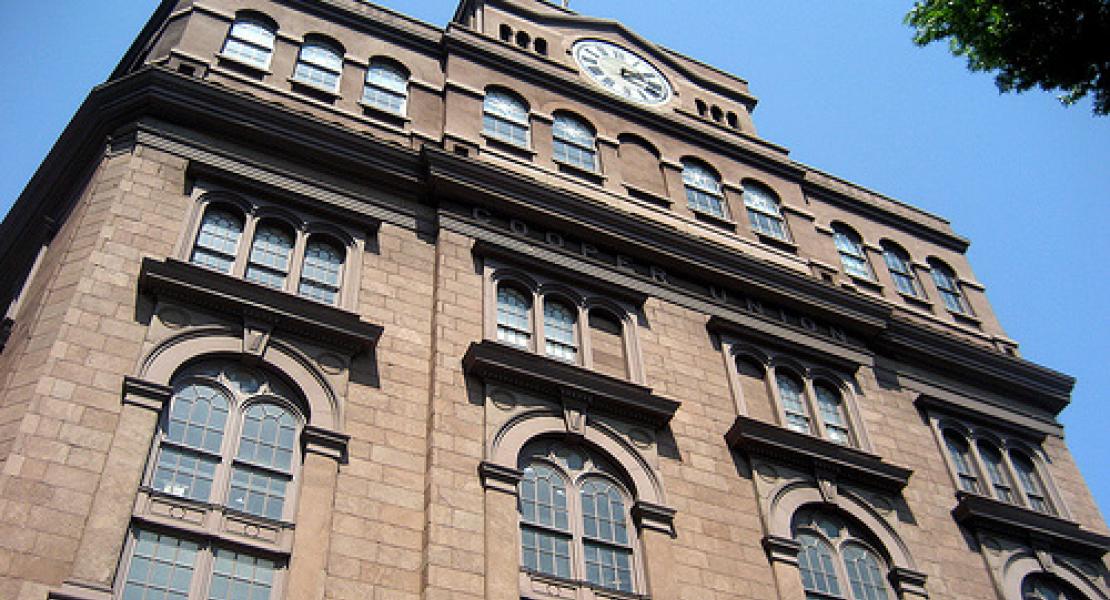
(984, 468)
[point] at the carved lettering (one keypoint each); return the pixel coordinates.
(754, 306)
(808, 323)
(481, 214)
(719, 294)
(658, 274)
(837, 334)
(518, 226)
(589, 250)
(624, 262)
(554, 239)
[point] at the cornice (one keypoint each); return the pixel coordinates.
(322, 324)
(980, 512)
(814, 454)
(494, 361)
(825, 350)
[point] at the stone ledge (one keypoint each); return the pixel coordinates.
(494, 361)
(1010, 520)
(815, 454)
(320, 323)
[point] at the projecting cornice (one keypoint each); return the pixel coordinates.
(1015, 521)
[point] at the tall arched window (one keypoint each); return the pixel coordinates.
(984, 463)
(387, 86)
(838, 559)
(1031, 482)
(559, 323)
(794, 405)
(319, 64)
(573, 142)
(1046, 587)
(250, 40)
(764, 212)
(703, 189)
(218, 239)
(960, 453)
(850, 248)
(574, 517)
(996, 471)
(901, 269)
(514, 316)
(321, 274)
(505, 117)
(948, 287)
(271, 249)
(833, 417)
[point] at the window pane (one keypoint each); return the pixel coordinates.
(603, 515)
(161, 567)
(961, 459)
(901, 271)
(257, 492)
(184, 473)
(793, 404)
(238, 576)
(851, 254)
(505, 117)
(197, 417)
(703, 189)
(865, 574)
(992, 460)
(513, 310)
(832, 414)
(815, 562)
(949, 289)
(543, 498)
(545, 551)
(218, 240)
(269, 257)
(319, 65)
(323, 264)
(763, 211)
(386, 87)
(558, 327)
(608, 567)
(573, 142)
(250, 41)
(267, 437)
(1030, 482)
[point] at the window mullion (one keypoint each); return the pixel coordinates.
(246, 242)
(816, 416)
(1017, 485)
(986, 483)
(539, 338)
(296, 260)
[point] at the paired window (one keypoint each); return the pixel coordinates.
(764, 211)
(276, 255)
(901, 269)
(574, 517)
(387, 85)
(850, 247)
(816, 410)
(319, 64)
(703, 189)
(558, 328)
(574, 142)
(166, 567)
(838, 559)
(948, 286)
(984, 466)
(505, 117)
(251, 40)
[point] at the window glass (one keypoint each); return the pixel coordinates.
(268, 436)
(386, 87)
(513, 310)
(250, 40)
(545, 531)
(558, 327)
(319, 64)
(268, 263)
(161, 568)
(238, 576)
(865, 575)
(257, 492)
(703, 189)
(996, 471)
(505, 116)
(901, 271)
(608, 565)
(1043, 587)
(1030, 482)
(793, 402)
(961, 459)
(198, 413)
(218, 240)
(945, 281)
(574, 142)
(815, 562)
(832, 414)
(763, 211)
(320, 275)
(850, 248)
(184, 473)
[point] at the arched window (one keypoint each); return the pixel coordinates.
(640, 166)
(703, 189)
(960, 453)
(559, 322)
(794, 405)
(573, 142)
(574, 517)
(850, 248)
(1045, 587)
(268, 262)
(948, 287)
(901, 269)
(505, 117)
(319, 64)
(837, 559)
(833, 417)
(387, 86)
(607, 343)
(996, 471)
(514, 316)
(322, 271)
(218, 239)
(250, 40)
(1031, 482)
(764, 212)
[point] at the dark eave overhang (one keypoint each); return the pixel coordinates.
(493, 361)
(322, 324)
(1038, 528)
(815, 455)
(828, 351)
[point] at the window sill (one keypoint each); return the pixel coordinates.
(314, 91)
(396, 119)
(965, 319)
(779, 243)
(242, 65)
(520, 152)
(593, 176)
(712, 219)
(977, 511)
(548, 581)
(917, 301)
(769, 440)
(649, 196)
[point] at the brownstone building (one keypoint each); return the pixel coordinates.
(312, 300)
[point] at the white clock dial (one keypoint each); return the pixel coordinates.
(622, 72)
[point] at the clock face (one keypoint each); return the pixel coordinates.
(621, 72)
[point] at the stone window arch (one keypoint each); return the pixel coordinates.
(838, 558)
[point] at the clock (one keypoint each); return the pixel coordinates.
(622, 72)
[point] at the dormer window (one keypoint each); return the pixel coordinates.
(251, 41)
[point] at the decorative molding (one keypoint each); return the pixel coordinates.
(826, 460)
(499, 478)
(325, 442)
(73, 589)
(145, 394)
(823, 348)
(908, 582)
(322, 324)
(654, 516)
(1038, 529)
(781, 549)
(494, 361)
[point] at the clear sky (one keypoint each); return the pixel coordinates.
(841, 85)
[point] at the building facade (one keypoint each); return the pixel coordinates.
(312, 300)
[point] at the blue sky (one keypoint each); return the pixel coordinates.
(839, 84)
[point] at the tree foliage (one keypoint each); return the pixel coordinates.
(1052, 44)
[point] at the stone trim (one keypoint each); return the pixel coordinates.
(494, 361)
(824, 458)
(980, 512)
(325, 442)
(499, 478)
(822, 348)
(73, 589)
(146, 394)
(654, 516)
(780, 549)
(318, 322)
(908, 582)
